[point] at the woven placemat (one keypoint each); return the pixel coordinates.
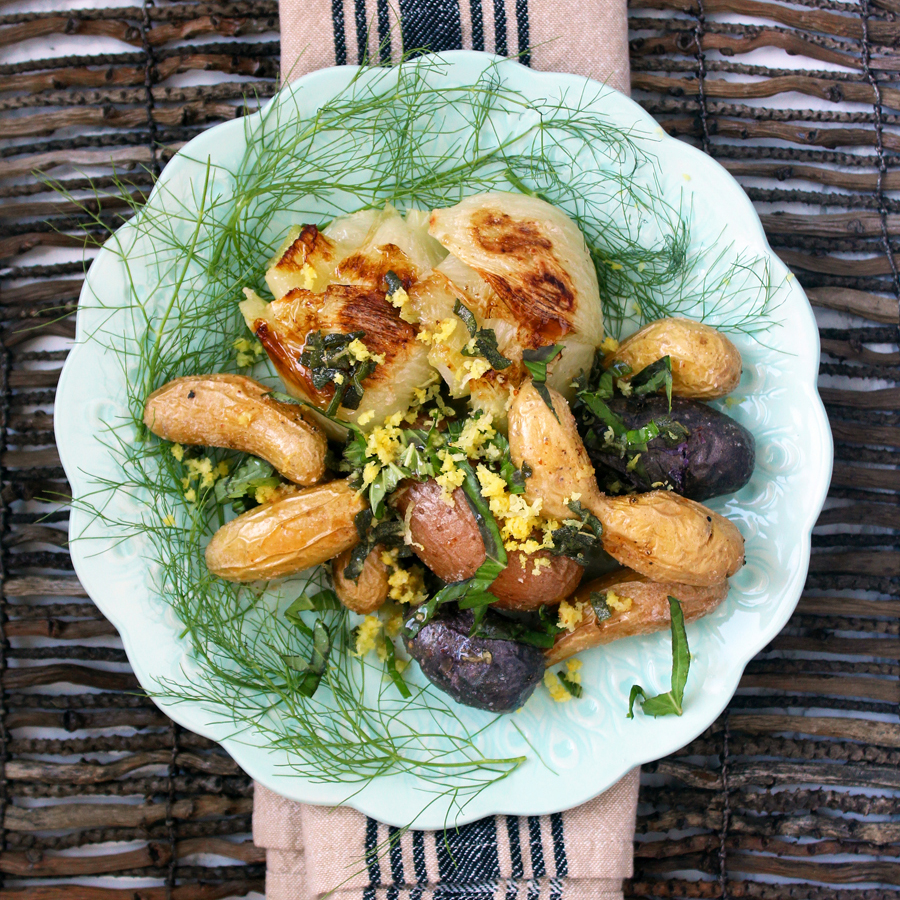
(797, 781)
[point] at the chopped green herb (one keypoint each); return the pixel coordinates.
(672, 701)
(393, 282)
(654, 377)
(313, 670)
(572, 687)
(600, 606)
(483, 339)
(536, 361)
(241, 486)
(393, 671)
(328, 358)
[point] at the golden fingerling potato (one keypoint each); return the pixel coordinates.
(705, 364)
(370, 590)
(301, 528)
(233, 412)
(648, 612)
(560, 467)
(446, 538)
(669, 538)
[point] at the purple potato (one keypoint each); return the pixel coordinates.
(716, 457)
(487, 673)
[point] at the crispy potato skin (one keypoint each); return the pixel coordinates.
(232, 411)
(302, 528)
(649, 611)
(370, 591)
(446, 538)
(669, 538)
(705, 364)
(554, 450)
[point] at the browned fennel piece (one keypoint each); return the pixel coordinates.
(446, 538)
(705, 364)
(234, 412)
(370, 590)
(302, 528)
(659, 534)
(283, 326)
(649, 610)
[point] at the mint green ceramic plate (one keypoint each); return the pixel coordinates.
(574, 750)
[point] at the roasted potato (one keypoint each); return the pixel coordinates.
(649, 610)
(560, 467)
(660, 534)
(370, 590)
(234, 412)
(705, 364)
(715, 458)
(446, 538)
(301, 528)
(669, 538)
(491, 674)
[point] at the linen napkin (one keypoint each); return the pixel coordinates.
(584, 37)
(582, 853)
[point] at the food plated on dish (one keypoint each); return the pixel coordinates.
(458, 362)
(281, 430)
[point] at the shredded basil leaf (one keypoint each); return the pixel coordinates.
(572, 687)
(600, 606)
(313, 670)
(670, 703)
(536, 361)
(241, 486)
(393, 671)
(468, 317)
(393, 282)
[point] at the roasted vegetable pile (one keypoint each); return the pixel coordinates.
(463, 448)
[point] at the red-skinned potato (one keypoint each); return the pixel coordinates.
(649, 610)
(446, 538)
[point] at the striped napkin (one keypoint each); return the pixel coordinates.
(582, 853)
(584, 37)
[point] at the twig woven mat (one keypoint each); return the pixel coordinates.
(794, 792)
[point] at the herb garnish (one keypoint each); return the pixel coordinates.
(536, 362)
(578, 538)
(484, 340)
(573, 687)
(330, 361)
(670, 702)
(313, 670)
(241, 486)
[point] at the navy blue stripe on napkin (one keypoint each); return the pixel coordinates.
(340, 36)
(396, 856)
(362, 30)
(477, 24)
(500, 46)
(515, 847)
(468, 854)
(559, 845)
(522, 27)
(384, 31)
(371, 846)
(538, 869)
(431, 24)
(418, 855)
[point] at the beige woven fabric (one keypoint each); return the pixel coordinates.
(585, 38)
(312, 850)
